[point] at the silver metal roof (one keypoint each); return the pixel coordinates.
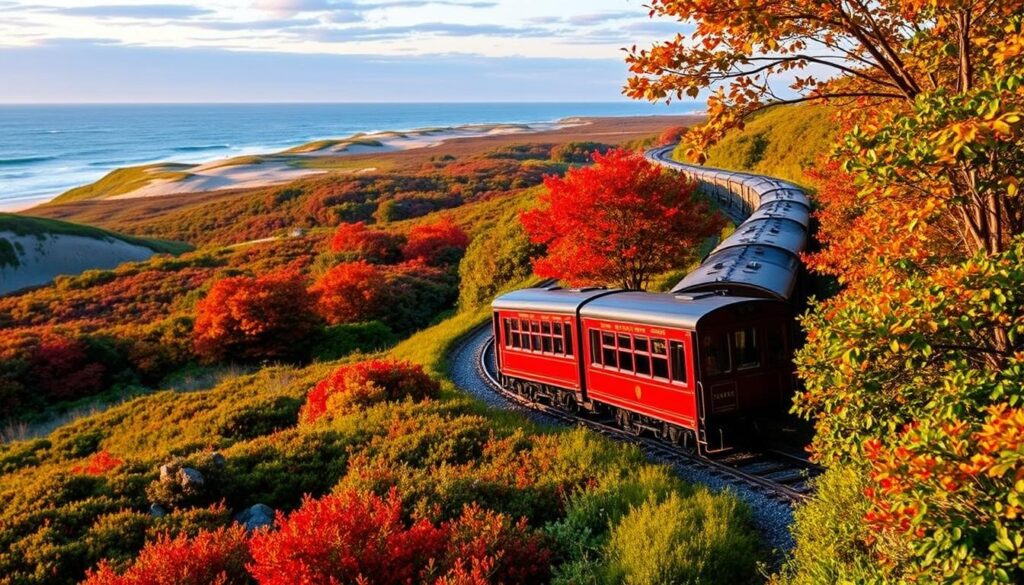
(774, 231)
(746, 269)
(666, 310)
(786, 194)
(783, 209)
(548, 300)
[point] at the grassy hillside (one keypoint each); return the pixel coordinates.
(781, 142)
(120, 181)
(24, 225)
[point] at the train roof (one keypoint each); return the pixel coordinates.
(777, 232)
(663, 309)
(548, 300)
(765, 269)
(785, 209)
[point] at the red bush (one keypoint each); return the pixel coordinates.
(269, 317)
(671, 135)
(435, 243)
(347, 538)
(211, 557)
(371, 245)
(363, 383)
(487, 547)
(100, 463)
(350, 292)
(42, 363)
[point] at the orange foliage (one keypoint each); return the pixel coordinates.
(350, 292)
(364, 383)
(371, 245)
(210, 558)
(98, 464)
(435, 243)
(619, 221)
(270, 317)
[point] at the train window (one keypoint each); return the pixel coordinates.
(625, 353)
(608, 357)
(506, 329)
(546, 340)
(558, 345)
(715, 349)
(744, 345)
(678, 362)
(643, 364)
(775, 347)
(595, 347)
(568, 341)
(640, 342)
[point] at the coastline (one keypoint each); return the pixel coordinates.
(46, 151)
(101, 208)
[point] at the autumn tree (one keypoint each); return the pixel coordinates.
(440, 242)
(269, 317)
(619, 221)
(350, 292)
(935, 85)
(361, 242)
(911, 371)
(671, 136)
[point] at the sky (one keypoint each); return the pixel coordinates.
(61, 51)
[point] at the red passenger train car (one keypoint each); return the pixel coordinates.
(686, 368)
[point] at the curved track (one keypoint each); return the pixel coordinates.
(471, 369)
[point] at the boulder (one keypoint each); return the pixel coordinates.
(256, 517)
(157, 511)
(191, 479)
(167, 471)
(217, 459)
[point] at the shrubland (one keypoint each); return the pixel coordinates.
(375, 468)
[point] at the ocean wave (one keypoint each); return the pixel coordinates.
(201, 148)
(24, 160)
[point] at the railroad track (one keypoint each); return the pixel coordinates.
(777, 474)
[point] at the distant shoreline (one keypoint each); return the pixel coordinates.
(46, 150)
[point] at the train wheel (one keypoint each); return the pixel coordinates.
(567, 402)
(624, 419)
(682, 438)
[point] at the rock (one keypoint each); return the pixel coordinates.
(157, 511)
(191, 479)
(217, 459)
(256, 517)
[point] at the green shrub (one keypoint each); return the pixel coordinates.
(8, 254)
(683, 540)
(780, 142)
(830, 533)
(341, 340)
(495, 260)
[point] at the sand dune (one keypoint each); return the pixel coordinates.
(41, 258)
(273, 169)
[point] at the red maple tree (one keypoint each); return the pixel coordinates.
(350, 292)
(436, 243)
(270, 317)
(671, 135)
(368, 244)
(620, 221)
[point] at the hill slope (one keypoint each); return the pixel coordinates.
(34, 251)
(781, 142)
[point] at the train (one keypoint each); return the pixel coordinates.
(692, 366)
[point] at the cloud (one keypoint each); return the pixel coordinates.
(292, 7)
(603, 17)
(147, 11)
(364, 33)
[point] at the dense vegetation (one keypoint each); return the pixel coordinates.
(912, 371)
(373, 468)
(784, 142)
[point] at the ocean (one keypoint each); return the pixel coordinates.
(48, 149)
